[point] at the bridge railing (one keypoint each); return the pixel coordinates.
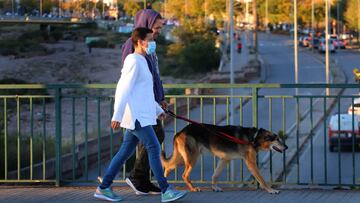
(61, 134)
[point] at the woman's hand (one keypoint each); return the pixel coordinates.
(164, 104)
(115, 125)
(162, 116)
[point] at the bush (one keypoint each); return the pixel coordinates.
(24, 44)
(32, 36)
(99, 44)
(199, 57)
(175, 91)
(24, 151)
(194, 53)
(57, 35)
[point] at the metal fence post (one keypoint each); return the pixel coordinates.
(254, 117)
(58, 135)
(255, 106)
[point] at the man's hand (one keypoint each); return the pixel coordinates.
(164, 104)
(162, 116)
(115, 125)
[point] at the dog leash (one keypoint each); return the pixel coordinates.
(218, 133)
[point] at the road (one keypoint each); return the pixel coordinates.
(330, 167)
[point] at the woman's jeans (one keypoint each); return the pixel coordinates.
(146, 136)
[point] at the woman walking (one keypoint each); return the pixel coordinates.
(136, 110)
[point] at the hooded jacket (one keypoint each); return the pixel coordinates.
(146, 18)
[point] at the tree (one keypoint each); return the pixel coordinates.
(6, 5)
(352, 14)
(132, 7)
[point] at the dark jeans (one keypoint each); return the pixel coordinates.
(140, 173)
(145, 135)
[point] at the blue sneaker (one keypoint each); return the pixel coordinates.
(107, 194)
(172, 195)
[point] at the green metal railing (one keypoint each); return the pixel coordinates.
(70, 134)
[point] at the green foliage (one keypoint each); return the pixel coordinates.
(280, 11)
(199, 57)
(57, 35)
(29, 42)
(132, 7)
(175, 91)
(352, 14)
(12, 151)
(102, 43)
(16, 47)
(282, 134)
(195, 52)
(195, 9)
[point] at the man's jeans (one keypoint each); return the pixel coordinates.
(140, 173)
(145, 135)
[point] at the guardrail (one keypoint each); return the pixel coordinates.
(63, 135)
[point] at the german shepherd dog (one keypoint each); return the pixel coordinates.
(190, 142)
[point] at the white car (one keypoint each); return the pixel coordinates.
(322, 46)
(356, 107)
(343, 133)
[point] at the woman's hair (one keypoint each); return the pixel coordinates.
(139, 34)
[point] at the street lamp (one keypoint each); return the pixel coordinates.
(296, 47)
(41, 8)
(358, 22)
(327, 44)
(205, 9)
(312, 24)
(337, 17)
(232, 81)
(102, 14)
(266, 16)
(60, 8)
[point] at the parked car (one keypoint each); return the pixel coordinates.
(322, 46)
(339, 44)
(306, 41)
(305, 31)
(300, 41)
(314, 43)
(343, 133)
(345, 36)
(356, 107)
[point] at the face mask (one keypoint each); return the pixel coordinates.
(151, 47)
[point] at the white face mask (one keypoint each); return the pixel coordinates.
(151, 47)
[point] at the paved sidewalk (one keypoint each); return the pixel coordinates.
(240, 59)
(85, 194)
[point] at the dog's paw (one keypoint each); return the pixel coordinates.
(272, 191)
(216, 189)
(196, 189)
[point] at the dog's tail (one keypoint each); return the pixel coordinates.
(173, 161)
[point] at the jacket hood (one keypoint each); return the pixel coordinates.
(146, 18)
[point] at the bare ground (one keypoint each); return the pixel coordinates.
(70, 63)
